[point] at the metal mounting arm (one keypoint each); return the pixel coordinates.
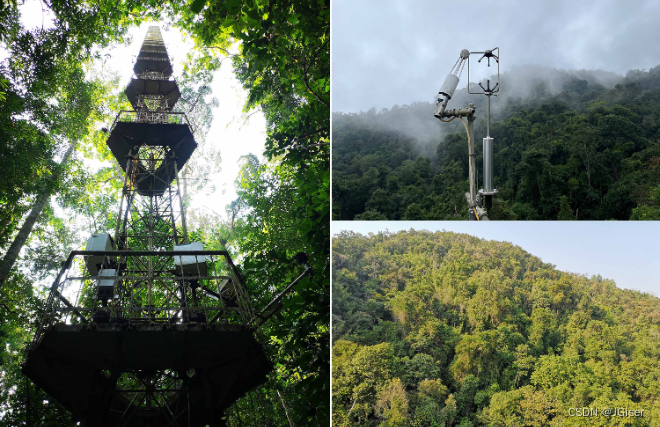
(485, 195)
(275, 305)
(449, 86)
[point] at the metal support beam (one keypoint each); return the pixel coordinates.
(183, 212)
(264, 317)
(69, 305)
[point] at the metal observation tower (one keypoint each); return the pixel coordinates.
(144, 328)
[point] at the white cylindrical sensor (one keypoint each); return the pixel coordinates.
(488, 166)
(445, 94)
(449, 86)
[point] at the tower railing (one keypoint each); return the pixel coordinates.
(153, 75)
(170, 296)
(155, 117)
(153, 58)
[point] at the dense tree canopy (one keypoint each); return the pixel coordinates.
(444, 329)
(51, 97)
(583, 153)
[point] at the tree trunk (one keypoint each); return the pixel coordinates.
(286, 408)
(118, 170)
(185, 186)
(19, 241)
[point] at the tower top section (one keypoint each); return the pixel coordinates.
(153, 89)
(152, 134)
(153, 61)
(153, 37)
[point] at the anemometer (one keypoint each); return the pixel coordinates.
(477, 203)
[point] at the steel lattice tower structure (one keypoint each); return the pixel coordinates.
(143, 328)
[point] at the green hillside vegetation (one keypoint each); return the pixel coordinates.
(444, 329)
(586, 152)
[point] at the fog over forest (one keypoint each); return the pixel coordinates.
(567, 145)
(518, 85)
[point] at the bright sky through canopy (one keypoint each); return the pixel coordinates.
(230, 132)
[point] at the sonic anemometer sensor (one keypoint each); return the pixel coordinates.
(475, 201)
(489, 189)
(449, 86)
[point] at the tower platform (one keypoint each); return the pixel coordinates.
(153, 62)
(176, 138)
(79, 365)
(167, 90)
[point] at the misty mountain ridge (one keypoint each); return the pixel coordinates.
(523, 85)
(567, 145)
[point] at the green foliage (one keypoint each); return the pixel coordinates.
(444, 329)
(283, 205)
(51, 98)
(284, 63)
(19, 306)
(392, 405)
(33, 131)
(585, 153)
(276, 217)
(650, 210)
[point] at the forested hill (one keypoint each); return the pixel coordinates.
(444, 329)
(568, 145)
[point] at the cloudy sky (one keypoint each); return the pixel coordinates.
(390, 52)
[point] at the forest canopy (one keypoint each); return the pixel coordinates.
(54, 104)
(565, 148)
(444, 329)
